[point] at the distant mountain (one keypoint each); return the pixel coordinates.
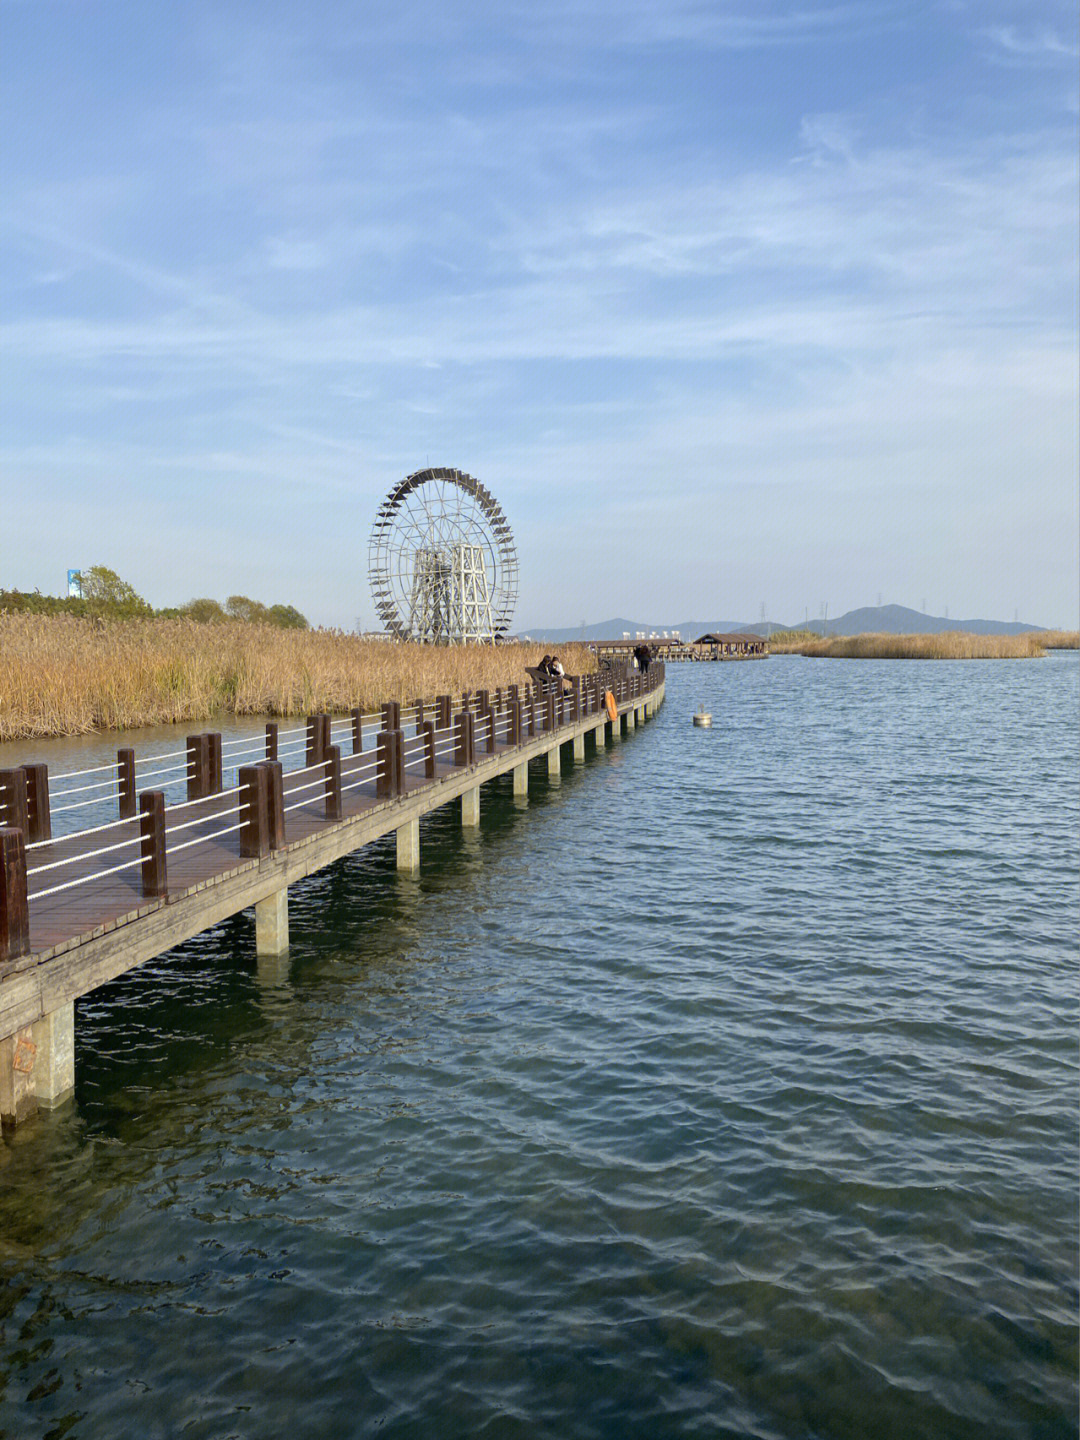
(898, 620)
(871, 619)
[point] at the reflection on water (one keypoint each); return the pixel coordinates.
(728, 1088)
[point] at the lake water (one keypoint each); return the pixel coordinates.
(728, 1089)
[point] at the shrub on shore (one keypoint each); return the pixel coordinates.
(66, 676)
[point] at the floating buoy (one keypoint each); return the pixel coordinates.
(610, 706)
(703, 718)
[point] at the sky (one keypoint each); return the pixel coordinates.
(733, 307)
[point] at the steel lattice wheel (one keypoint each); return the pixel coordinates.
(441, 560)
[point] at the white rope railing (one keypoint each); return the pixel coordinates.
(81, 789)
(90, 770)
(185, 771)
(205, 799)
(78, 834)
(83, 880)
(84, 855)
(299, 789)
(165, 755)
(205, 819)
(202, 839)
(78, 805)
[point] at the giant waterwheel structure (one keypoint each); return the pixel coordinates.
(441, 561)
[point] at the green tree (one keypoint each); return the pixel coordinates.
(286, 617)
(239, 607)
(106, 594)
(204, 610)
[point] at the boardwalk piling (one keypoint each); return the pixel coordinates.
(54, 1063)
(271, 740)
(357, 718)
(272, 923)
(408, 845)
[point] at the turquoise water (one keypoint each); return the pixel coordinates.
(727, 1089)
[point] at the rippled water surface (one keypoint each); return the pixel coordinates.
(728, 1088)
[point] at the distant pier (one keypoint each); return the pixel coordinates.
(737, 646)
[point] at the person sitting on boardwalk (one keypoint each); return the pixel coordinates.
(558, 674)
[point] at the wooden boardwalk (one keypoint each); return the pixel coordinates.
(80, 921)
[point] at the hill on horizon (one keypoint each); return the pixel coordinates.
(870, 619)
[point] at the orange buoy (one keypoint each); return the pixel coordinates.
(612, 708)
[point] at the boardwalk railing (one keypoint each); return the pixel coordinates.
(257, 814)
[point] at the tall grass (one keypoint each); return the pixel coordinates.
(951, 645)
(60, 675)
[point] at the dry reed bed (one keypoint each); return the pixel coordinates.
(60, 675)
(951, 645)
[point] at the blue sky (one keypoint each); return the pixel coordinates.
(728, 305)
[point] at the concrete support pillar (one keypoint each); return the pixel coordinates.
(554, 762)
(631, 720)
(272, 923)
(470, 808)
(408, 845)
(17, 1099)
(54, 1063)
(615, 730)
(579, 748)
(521, 778)
(600, 734)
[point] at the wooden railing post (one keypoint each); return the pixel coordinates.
(442, 712)
(464, 739)
(313, 752)
(214, 763)
(13, 807)
(14, 908)
(38, 818)
(271, 740)
(254, 810)
(549, 712)
(483, 701)
(418, 709)
(427, 729)
(198, 766)
(152, 832)
(513, 734)
(125, 784)
(391, 715)
(487, 725)
(388, 775)
(275, 803)
(357, 717)
(333, 782)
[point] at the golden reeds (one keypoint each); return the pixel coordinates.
(60, 675)
(950, 645)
